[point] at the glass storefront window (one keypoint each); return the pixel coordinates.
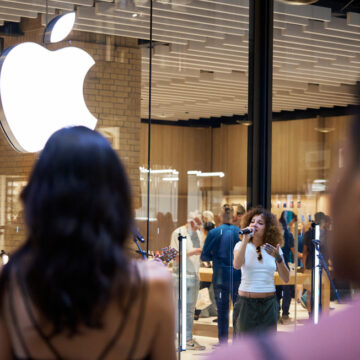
(314, 77)
(191, 158)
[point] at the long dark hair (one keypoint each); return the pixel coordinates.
(79, 215)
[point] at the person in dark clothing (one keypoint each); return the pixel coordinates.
(218, 247)
(211, 309)
(309, 254)
(285, 292)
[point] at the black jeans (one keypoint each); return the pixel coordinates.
(284, 292)
(255, 315)
(222, 293)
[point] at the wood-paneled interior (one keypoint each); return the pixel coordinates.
(189, 148)
(335, 138)
(300, 154)
(230, 156)
(305, 150)
(177, 147)
(292, 142)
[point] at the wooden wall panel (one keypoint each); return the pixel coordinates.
(300, 154)
(230, 156)
(338, 128)
(297, 156)
(180, 148)
(177, 147)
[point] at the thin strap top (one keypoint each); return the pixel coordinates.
(46, 339)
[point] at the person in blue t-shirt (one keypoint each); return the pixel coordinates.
(218, 247)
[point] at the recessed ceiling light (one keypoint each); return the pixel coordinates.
(244, 122)
(324, 130)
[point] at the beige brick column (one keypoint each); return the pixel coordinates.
(112, 93)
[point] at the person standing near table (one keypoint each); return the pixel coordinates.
(285, 292)
(309, 257)
(191, 235)
(219, 247)
(258, 256)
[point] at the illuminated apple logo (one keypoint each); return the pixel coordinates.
(41, 91)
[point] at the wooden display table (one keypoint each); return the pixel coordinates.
(206, 275)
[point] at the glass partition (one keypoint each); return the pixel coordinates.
(169, 90)
(184, 66)
(314, 75)
(198, 147)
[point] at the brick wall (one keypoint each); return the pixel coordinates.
(112, 94)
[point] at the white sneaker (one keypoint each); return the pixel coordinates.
(194, 345)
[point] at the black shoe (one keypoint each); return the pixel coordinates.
(215, 320)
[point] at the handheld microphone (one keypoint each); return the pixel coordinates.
(245, 231)
(139, 237)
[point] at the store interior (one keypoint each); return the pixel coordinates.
(169, 90)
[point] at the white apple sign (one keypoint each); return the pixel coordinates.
(41, 91)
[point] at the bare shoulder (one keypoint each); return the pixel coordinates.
(160, 287)
(155, 272)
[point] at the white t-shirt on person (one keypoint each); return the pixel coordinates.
(192, 262)
(257, 276)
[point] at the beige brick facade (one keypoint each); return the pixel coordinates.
(112, 94)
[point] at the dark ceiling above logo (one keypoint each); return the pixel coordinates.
(340, 7)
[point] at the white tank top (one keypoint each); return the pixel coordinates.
(257, 276)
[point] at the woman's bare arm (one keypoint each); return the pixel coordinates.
(239, 255)
(282, 269)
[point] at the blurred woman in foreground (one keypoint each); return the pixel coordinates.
(71, 291)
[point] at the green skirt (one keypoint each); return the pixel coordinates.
(255, 315)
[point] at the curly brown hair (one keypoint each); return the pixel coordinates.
(273, 232)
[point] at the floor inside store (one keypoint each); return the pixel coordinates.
(205, 329)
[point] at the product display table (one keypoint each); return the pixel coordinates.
(206, 275)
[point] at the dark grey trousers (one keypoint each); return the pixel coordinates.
(255, 315)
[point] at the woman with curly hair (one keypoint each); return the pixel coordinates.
(258, 256)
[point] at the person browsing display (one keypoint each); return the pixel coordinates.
(258, 255)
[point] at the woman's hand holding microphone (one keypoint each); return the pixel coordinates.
(247, 233)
